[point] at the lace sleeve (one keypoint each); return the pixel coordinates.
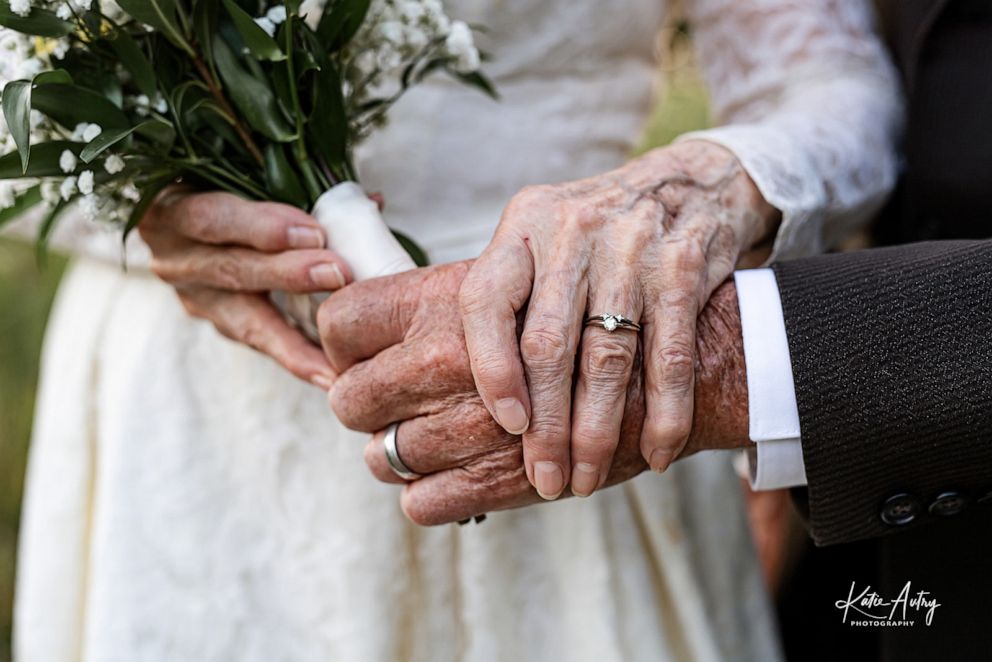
(810, 103)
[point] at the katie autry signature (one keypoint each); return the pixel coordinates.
(867, 608)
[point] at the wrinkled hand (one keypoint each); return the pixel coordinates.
(650, 241)
(399, 346)
(224, 254)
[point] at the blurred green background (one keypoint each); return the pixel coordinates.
(27, 290)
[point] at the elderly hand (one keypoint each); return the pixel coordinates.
(650, 241)
(224, 254)
(400, 349)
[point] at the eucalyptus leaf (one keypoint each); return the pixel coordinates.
(252, 97)
(70, 105)
(282, 180)
(158, 130)
(44, 160)
(40, 22)
(163, 16)
(17, 112)
(257, 40)
(340, 22)
(133, 58)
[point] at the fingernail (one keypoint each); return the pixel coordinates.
(324, 382)
(549, 479)
(585, 479)
(304, 237)
(327, 275)
(511, 415)
(659, 460)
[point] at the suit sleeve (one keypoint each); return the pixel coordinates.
(891, 353)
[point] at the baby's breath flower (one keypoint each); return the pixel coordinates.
(113, 164)
(20, 7)
(85, 182)
(67, 162)
(68, 188)
(266, 24)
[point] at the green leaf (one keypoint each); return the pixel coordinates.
(40, 22)
(46, 229)
(282, 180)
(340, 22)
(44, 160)
(328, 120)
(17, 112)
(252, 97)
(410, 246)
(134, 60)
(158, 130)
(257, 40)
(478, 81)
(22, 203)
(70, 105)
(161, 15)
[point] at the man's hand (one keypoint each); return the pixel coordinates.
(399, 346)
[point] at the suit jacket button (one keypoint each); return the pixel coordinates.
(948, 503)
(900, 509)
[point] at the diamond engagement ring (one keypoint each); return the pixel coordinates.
(613, 322)
(393, 455)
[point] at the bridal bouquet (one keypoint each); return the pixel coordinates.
(110, 101)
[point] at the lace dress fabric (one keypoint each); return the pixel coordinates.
(187, 500)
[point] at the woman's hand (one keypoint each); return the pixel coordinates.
(650, 241)
(224, 254)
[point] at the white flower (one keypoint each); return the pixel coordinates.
(91, 132)
(276, 14)
(84, 5)
(267, 25)
(67, 162)
(50, 192)
(68, 188)
(461, 46)
(64, 12)
(113, 164)
(130, 192)
(20, 7)
(90, 206)
(7, 197)
(85, 182)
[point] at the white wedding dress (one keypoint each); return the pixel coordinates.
(189, 501)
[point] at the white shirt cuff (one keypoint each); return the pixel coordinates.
(777, 460)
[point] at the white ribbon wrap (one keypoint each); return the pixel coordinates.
(357, 232)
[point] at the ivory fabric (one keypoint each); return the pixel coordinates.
(187, 500)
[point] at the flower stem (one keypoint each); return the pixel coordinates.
(218, 95)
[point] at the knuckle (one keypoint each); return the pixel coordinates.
(690, 254)
(227, 273)
(495, 373)
(669, 433)
(677, 362)
(547, 435)
(608, 359)
(544, 348)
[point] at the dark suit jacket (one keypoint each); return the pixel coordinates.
(892, 359)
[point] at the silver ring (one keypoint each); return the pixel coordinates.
(611, 322)
(393, 455)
